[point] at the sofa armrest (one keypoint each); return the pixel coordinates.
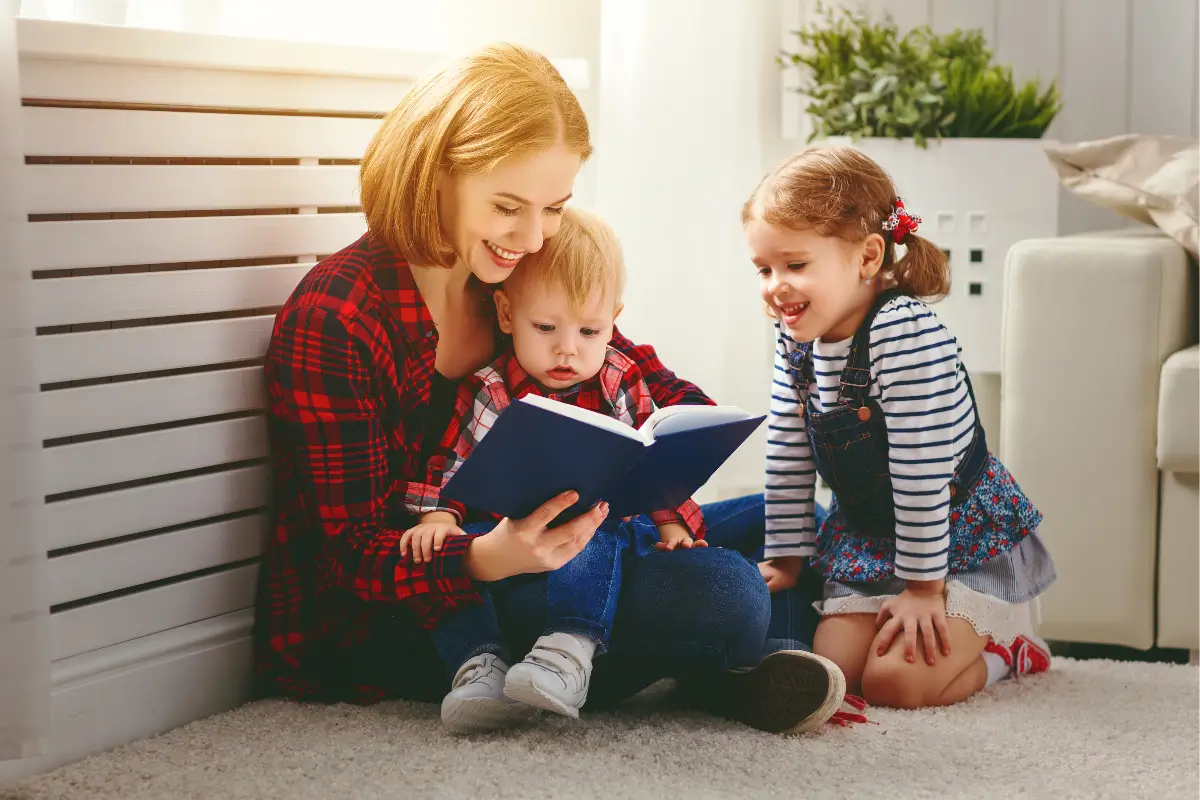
(1088, 322)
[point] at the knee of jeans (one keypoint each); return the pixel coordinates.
(738, 606)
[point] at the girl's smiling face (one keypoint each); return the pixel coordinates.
(814, 285)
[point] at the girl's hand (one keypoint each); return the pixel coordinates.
(919, 609)
(781, 573)
(519, 546)
(675, 534)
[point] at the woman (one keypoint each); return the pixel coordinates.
(466, 175)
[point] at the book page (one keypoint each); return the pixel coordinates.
(674, 419)
(592, 418)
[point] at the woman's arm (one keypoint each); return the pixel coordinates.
(665, 387)
(325, 413)
(325, 417)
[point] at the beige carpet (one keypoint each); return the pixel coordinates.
(1088, 729)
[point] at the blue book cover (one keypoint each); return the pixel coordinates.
(538, 448)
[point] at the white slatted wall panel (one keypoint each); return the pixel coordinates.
(174, 207)
(1123, 66)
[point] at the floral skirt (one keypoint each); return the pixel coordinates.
(993, 520)
(1000, 600)
(998, 565)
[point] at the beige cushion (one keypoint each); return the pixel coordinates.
(1152, 179)
(1179, 412)
(1179, 554)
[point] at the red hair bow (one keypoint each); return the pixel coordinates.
(900, 222)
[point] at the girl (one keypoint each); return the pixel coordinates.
(929, 538)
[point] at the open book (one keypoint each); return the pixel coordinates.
(538, 448)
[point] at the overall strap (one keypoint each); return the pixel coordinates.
(856, 376)
(800, 362)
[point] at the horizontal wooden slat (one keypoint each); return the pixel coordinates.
(122, 619)
(109, 569)
(209, 88)
(131, 404)
(143, 46)
(142, 655)
(174, 293)
(125, 133)
(147, 455)
(127, 351)
(107, 243)
(146, 47)
(108, 516)
(83, 188)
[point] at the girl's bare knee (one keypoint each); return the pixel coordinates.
(891, 683)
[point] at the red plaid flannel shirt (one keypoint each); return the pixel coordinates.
(617, 390)
(348, 372)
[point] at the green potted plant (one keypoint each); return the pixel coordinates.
(960, 135)
(866, 79)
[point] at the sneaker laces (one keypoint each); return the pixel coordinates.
(846, 717)
(1021, 663)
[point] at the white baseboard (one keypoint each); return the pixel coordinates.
(142, 688)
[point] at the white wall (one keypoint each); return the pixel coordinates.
(1123, 66)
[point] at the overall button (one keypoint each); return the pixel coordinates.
(953, 490)
(796, 359)
(864, 413)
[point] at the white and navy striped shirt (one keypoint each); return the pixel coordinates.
(918, 379)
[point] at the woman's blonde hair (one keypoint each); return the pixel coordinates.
(503, 101)
(839, 191)
(584, 254)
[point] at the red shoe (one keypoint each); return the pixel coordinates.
(1031, 655)
(1028, 655)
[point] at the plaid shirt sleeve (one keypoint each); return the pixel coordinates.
(665, 387)
(481, 398)
(324, 410)
(633, 404)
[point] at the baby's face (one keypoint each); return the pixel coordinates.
(556, 346)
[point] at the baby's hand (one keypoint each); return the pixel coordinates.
(675, 534)
(781, 573)
(426, 539)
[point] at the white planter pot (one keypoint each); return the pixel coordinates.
(976, 199)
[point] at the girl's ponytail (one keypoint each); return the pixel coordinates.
(923, 272)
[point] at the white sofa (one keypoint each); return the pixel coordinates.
(1099, 423)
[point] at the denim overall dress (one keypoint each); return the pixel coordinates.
(989, 514)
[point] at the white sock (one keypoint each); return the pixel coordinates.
(996, 668)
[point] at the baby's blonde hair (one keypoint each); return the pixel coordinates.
(583, 254)
(503, 101)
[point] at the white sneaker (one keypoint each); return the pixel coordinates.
(476, 702)
(554, 676)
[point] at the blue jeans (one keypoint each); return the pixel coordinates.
(580, 597)
(740, 524)
(683, 614)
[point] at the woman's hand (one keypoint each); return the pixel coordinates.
(781, 573)
(519, 546)
(919, 609)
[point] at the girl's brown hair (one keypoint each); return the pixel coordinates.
(503, 101)
(839, 191)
